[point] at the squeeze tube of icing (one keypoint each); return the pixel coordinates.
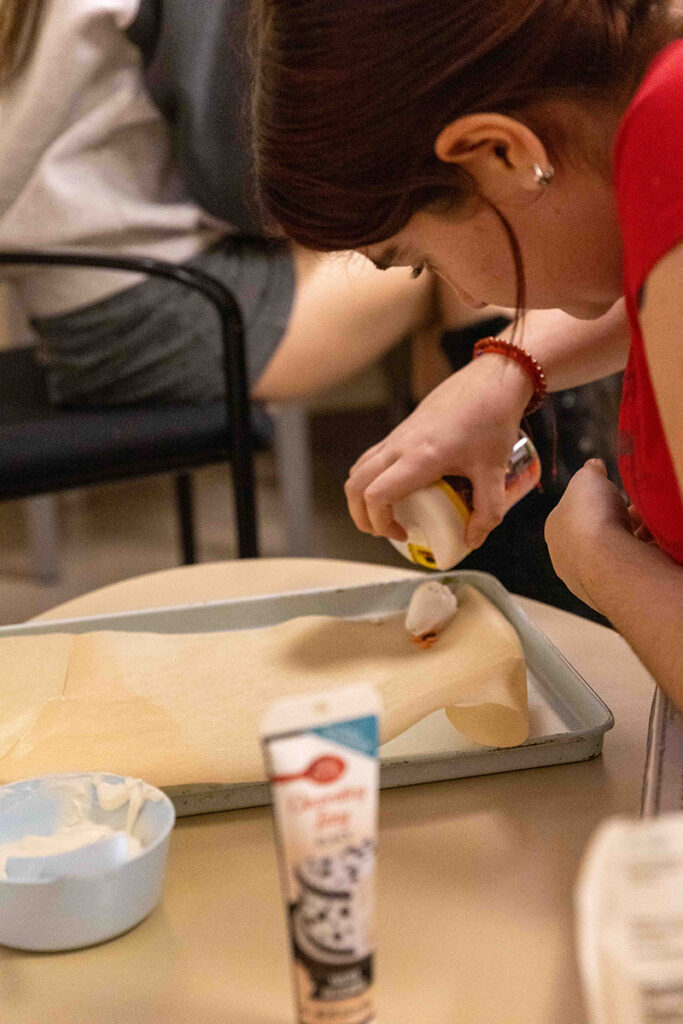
(320, 753)
(435, 517)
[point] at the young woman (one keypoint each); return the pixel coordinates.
(530, 153)
(87, 162)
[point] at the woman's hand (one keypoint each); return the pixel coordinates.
(590, 511)
(467, 426)
(603, 552)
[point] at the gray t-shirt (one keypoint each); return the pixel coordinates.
(197, 72)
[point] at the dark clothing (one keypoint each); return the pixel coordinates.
(196, 68)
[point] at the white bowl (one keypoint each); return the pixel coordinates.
(49, 914)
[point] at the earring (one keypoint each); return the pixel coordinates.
(543, 178)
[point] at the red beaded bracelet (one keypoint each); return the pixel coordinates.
(525, 360)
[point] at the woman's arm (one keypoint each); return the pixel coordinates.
(469, 423)
(632, 582)
(574, 352)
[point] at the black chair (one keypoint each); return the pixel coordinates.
(44, 448)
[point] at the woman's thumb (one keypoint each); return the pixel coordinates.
(598, 465)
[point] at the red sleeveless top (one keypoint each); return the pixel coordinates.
(648, 167)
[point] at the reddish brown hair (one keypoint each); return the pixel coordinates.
(350, 96)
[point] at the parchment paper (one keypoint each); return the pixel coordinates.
(180, 709)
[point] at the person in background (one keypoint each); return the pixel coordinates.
(530, 153)
(89, 162)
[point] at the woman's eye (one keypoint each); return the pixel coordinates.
(416, 271)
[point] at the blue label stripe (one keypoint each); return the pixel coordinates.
(360, 734)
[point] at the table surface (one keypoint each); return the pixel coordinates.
(475, 879)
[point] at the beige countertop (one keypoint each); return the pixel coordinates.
(475, 921)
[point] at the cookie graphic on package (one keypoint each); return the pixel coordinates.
(328, 916)
(327, 923)
(340, 874)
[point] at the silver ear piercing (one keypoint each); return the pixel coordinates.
(543, 178)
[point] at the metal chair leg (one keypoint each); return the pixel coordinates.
(185, 506)
(295, 472)
(42, 530)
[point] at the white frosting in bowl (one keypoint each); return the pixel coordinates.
(78, 827)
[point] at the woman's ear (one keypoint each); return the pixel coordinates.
(503, 156)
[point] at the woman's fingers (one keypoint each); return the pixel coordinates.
(638, 527)
(597, 465)
(384, 524)
(383, 477)
(367, 455)
(374, 488)
(402, 477)
(635, 519)
(465, 426)
(361, 476)
(488, 496)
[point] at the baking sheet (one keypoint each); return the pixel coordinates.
(567, 718)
